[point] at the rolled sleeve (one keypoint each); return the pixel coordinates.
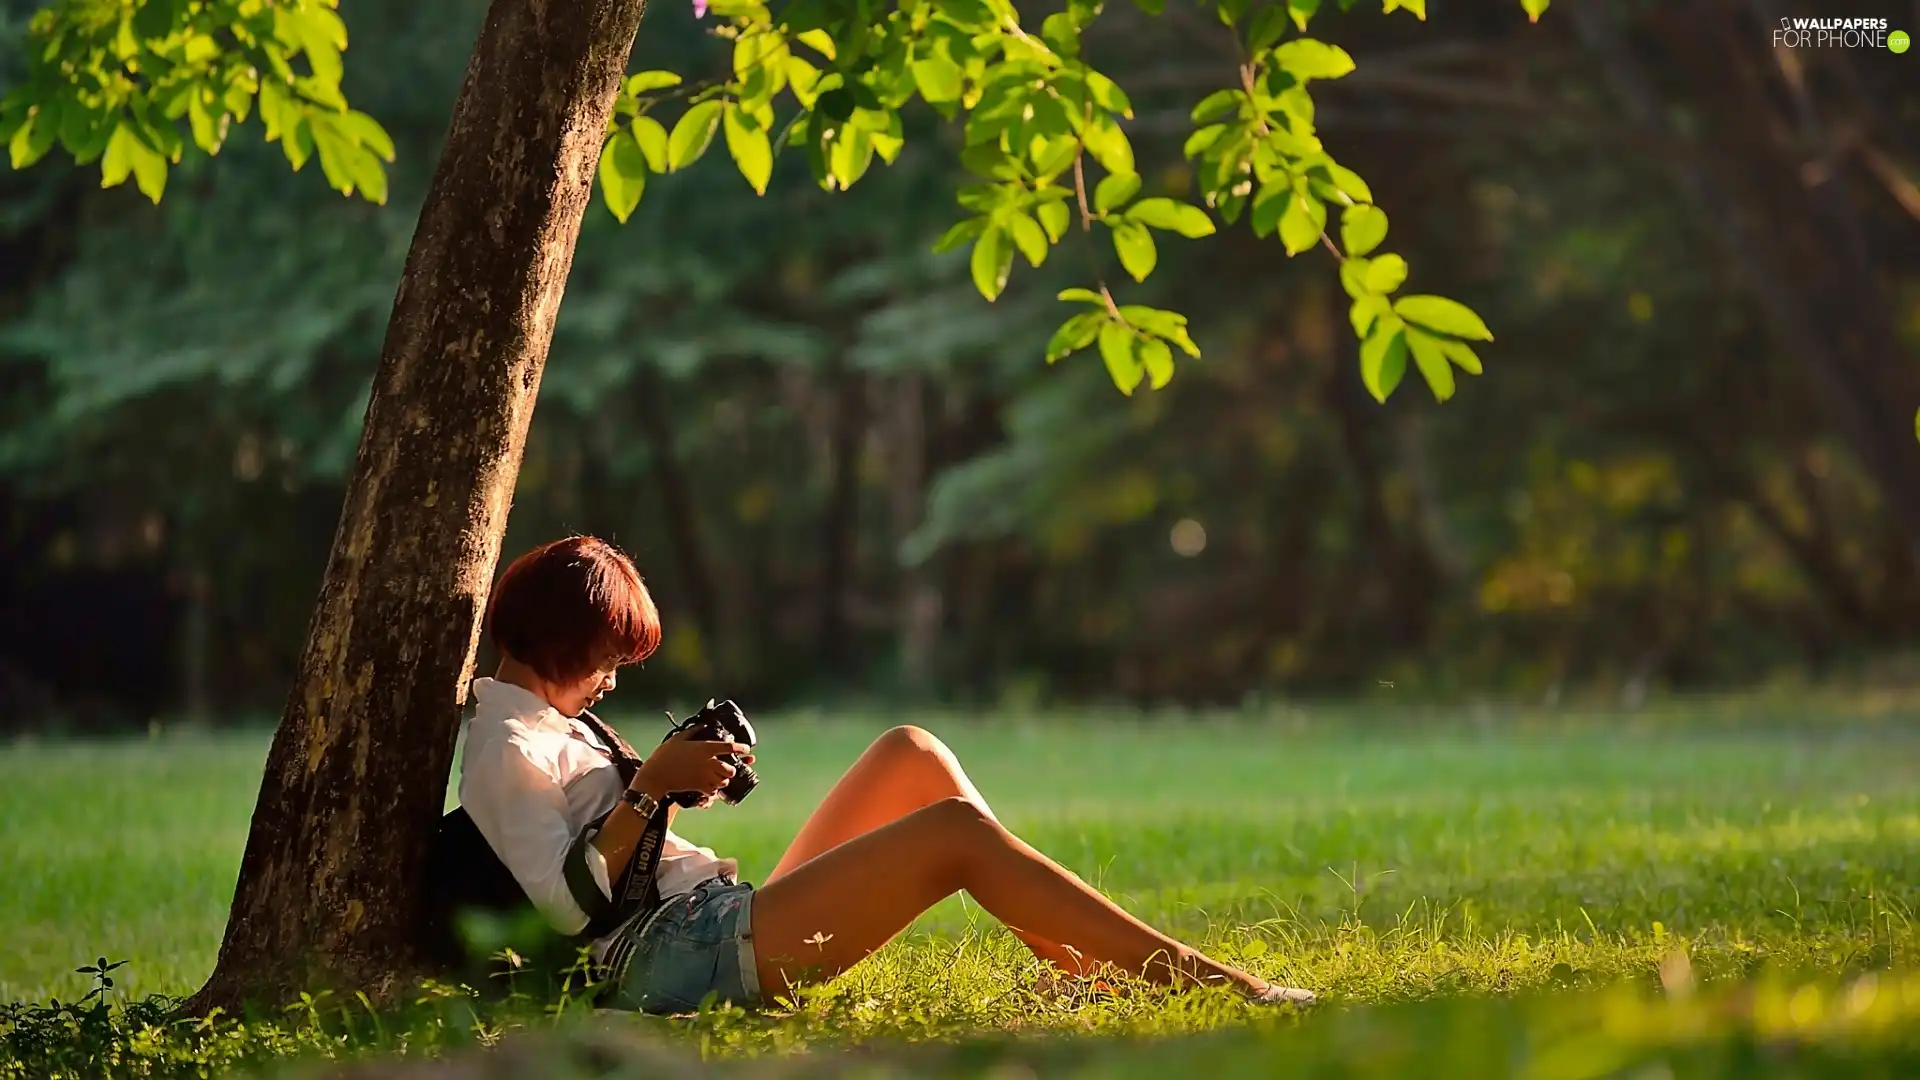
(522, 812)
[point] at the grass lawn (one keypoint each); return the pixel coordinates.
(1372, 857)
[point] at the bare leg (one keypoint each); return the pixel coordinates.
(905, 769)
(839, 907)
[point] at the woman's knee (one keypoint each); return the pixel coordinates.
(959, 821)
(910, 741)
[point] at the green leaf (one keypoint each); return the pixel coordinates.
(1134, 244)
(1217, 105)
(939, 79)
(149, 171)
(335, 154)
(1305, 58)
(992, 262)
(1386, 273)
(1462, 354)
(752, 151)
(117, 163)
(1442, 314)
(623, 174)
(1202, 140)
(155, 18)
(1418, 7)
(960, 233)
(1075, 334)
(692, 135)
(820, 41)
(1265, 29)
(652, 139)
(754, 66)
(1349, 183)
(127, 154)
(209, 132)
(1167, 324)
(1116, 189)
(966, 14)
(642, 81)
(1054, 217)
(1108, 144)
(1383, 358)
(1269, 203)
(804, 78)
(1302, 223)
(1364, 310)
(1534, 9)
(1059, 32)
(1230, 205)
(987, 159)
(322, 35)
(1055, 155)
(852, 154)
(1302, 10)
(85, 131)
(1161, 213)
(1028, 237)
(297, 139)
(362, 169)
(35, 137)
(1353, 276)
(1362, 227)
(1108, 95)
(1158, 360)
(1085, 296)
(366, 131)
(1432, 361)
(1116, 348)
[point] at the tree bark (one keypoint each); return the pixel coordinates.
(840, 523)
(1857, 376)
(329, 890)
(919, 601)
(682, 511)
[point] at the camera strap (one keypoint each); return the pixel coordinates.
(625, 761)
(638, 890)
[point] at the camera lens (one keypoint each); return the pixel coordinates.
(742, 785)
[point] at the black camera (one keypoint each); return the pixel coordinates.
(721, 722)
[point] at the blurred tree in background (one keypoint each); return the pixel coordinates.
(1693, 461)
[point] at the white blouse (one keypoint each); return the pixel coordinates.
(532, 786)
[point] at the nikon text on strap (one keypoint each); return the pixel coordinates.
(637, 891)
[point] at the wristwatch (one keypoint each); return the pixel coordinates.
(642, 803)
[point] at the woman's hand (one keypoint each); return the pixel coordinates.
(681, 764)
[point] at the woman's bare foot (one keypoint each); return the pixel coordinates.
(1276, 994)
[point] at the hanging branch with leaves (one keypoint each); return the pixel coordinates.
(1044, 137)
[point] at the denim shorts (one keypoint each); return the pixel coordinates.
(697, 943)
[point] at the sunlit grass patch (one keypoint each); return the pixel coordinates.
(1377, 863)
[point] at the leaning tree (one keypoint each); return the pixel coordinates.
(329, 885)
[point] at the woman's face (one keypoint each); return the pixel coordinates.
(575, 698)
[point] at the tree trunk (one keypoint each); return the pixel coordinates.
(329, 891)
(1855, 371)
(919, 600)
(196, 643)
(682, 512)
(840, 523)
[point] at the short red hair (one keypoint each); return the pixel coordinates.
(573, 607)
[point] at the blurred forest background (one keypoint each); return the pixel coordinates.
(1691, 462)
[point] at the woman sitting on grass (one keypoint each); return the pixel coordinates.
(902, 829)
